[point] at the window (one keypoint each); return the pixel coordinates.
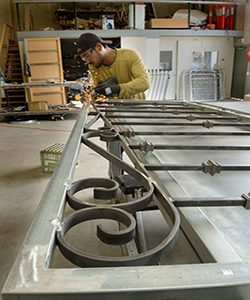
(204, 60)
(166, 60)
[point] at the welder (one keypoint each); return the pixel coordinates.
(115, 72)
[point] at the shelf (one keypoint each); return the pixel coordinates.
(157, 1)
(85, 11)
(149, 33)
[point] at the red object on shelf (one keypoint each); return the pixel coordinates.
(210, 16)
(231, 17)
(223, 12)
(218, 23)
(211, 26)
(227, 21)
(216, 15)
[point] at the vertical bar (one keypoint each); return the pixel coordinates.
(189, 14)
(114, 148)
(141, 233)
(134, 18)
(75, 16)
(235, 11)
(12, 33)
(18, 16)
(7, 97)
(27, 18)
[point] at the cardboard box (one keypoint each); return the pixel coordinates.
(167, 23)
(247, 97)
(37, 105)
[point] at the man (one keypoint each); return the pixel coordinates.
(106, 63)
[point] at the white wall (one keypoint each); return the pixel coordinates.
(183, 47)
(138, 44)
(153, 53)
(224, 45)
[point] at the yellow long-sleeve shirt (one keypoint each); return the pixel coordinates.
(129, 71)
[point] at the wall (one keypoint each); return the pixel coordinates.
(6, 17)
(182, 48)
(225, 60)
(43, 15)
(138, 44)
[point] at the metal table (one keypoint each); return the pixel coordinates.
(205, 187)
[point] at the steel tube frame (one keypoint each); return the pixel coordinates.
(163, 167)
(33, 278)
(170, 117)
(212, 133)
(196, 147)
(179, 124)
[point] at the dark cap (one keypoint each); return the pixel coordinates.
(89, 40)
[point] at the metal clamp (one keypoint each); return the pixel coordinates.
(176, 112)
(129, 133)
(191, 118)
(163, 107)
(247, 198)
(208, 124)
(146, 147)
(57, 224)
(211, 167)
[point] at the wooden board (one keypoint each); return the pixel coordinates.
(46, 57)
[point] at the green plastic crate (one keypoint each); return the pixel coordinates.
(50, 157)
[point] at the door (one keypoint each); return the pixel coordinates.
(239, 73)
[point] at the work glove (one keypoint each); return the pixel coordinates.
(107, 88)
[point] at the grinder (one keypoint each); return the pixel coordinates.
(101, 83)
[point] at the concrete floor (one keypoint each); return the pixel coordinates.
(22, 185)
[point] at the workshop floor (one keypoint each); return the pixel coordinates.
(22, 183)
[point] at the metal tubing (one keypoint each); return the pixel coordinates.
(181, 133)
(188, 202)
(178, 124)
(169, 117)
(194, 147)
(163, 167)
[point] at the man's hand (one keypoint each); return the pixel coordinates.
(107, 89)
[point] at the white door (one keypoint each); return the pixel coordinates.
(168, 53)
